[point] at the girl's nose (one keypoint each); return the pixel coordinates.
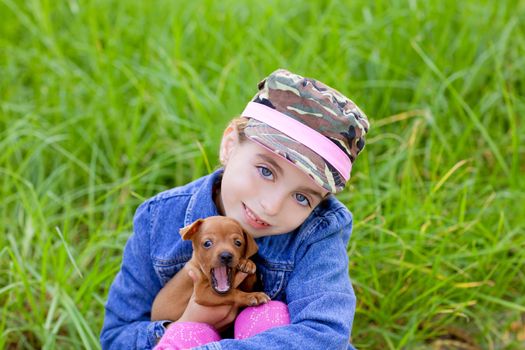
(272, 203)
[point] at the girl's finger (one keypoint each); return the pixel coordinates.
(228, 320)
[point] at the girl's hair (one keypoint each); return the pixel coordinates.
(240, 124)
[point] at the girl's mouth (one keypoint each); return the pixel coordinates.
(253, 219)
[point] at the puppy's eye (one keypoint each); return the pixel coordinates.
(207, 244)
(238, 242)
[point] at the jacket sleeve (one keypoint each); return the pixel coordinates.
(320, 299)
(127, 322)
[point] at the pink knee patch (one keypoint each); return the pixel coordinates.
(185, 335)
(257, 319)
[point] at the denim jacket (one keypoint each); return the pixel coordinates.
(306, 268)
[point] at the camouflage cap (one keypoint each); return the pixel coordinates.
(308, 123)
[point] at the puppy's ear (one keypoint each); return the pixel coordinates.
(251, 246)
(189, 231)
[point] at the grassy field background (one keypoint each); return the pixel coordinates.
(105, 103)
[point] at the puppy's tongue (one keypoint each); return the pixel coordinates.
(222, 278)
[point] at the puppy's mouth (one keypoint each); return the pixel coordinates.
(221, 279)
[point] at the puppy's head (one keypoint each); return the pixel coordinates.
(218, 244)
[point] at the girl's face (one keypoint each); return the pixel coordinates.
(267, 194)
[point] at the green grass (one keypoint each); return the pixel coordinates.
(105, 103)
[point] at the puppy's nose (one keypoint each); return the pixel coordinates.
(226, 258)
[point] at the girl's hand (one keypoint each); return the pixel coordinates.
(219, 317)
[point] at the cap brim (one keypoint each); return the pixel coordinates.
(298, 154)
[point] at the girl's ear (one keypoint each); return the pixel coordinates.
(230, 139)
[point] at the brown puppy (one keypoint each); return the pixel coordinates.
(220, 249)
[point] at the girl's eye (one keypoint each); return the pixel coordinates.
(302, 200)
(238, 243)
(207, 244)
(265, 172)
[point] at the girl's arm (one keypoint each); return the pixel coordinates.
(127, 322)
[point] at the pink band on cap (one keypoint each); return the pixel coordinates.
(298, 131)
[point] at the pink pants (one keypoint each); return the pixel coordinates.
(251, 321)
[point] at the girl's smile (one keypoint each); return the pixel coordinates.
(253, 219)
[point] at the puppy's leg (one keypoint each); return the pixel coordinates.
(249, 299)
(246, 266)
(242, 281)
(207, 297)
(249, 283)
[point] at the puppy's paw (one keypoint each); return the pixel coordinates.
(258, 298)
(247, 266)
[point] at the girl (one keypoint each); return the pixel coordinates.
(292, 148)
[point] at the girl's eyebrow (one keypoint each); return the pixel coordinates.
(272, 162)
(276, 166)
(311, 191)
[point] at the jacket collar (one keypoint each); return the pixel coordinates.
(201, 204)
